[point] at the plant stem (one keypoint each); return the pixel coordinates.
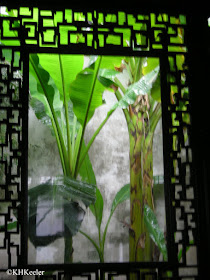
(68, 254)
(141, 178)
(101, 256)
(66, 115)
(59, 147)
(73, 145)
(125, 111)
(86, 115)
(105, 231)
(54, 118)
(120, 85)
(138, 68)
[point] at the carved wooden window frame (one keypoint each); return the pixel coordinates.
(176, 191)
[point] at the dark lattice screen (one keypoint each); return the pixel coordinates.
(98, 32)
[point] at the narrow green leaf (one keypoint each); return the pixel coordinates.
(89, 106)
(86, 170)
(97, 208)
(94, 244)
(76, 148)
(122, 195)
(154, 230)
(85, 151)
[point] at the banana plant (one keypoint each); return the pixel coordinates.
(142, 113)
(140, 101)
(67, 108)
(55, 81)
(148, 83)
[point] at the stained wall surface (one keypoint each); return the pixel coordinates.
(110, 160)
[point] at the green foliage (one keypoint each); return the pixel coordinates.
(154, 230)
(122, 195)
(97, 208)
(106, 77)
(83, 95)
(63, 70)
(141, 87)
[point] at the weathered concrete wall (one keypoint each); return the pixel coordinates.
(110, 159)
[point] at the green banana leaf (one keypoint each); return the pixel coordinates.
(41, 114)
(142, 87)
(82, 94)
(106, 77)
(63, 70)
(154, 230)
(53, 207)
(41, 85)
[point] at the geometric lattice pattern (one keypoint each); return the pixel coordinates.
(92, 30)
(11, 150)
(96, 31)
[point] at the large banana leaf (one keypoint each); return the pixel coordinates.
(142, 87)
(68, 188)
(82, 94)
(63, 70)
(53, 206)
(86, 91)
(41, 85)
(41, 114)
